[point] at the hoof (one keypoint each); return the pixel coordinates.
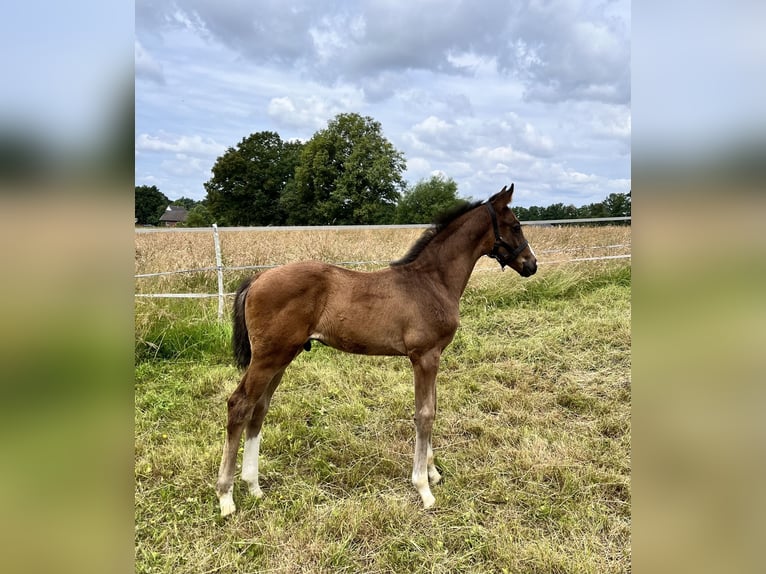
(227, 508)
(226, 503)
(434, 477)
(256, 491)
(428, 501)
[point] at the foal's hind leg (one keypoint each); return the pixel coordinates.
(241, 406)
(253, 437)
(238, 413)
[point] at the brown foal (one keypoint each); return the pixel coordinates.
(409, 309)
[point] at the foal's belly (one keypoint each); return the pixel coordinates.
(360, 344)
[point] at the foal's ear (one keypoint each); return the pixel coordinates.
(503, 197)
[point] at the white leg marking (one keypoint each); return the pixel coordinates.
(421, 484)
(433, 475)
(250, 464)
(420, 473)
(226, 502)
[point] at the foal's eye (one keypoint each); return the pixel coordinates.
(517, 228)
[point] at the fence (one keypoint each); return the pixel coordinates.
(219, 268)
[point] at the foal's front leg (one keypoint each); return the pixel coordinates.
(423, 467)
(433, 475)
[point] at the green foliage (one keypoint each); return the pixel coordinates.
(421, 203)
(185, 202)
(349, 173)
(248, 180)
(199, 216)
(194, 333)
(616, 205)
(150, 204)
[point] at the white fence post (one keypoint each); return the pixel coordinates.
(219, 271)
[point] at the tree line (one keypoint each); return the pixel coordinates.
(346, 174)
(615, 205)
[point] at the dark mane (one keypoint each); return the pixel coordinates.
(440, 223)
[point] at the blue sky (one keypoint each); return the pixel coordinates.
(488, 93)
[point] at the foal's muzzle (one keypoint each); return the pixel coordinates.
(529, 267)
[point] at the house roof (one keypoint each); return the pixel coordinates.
(174, 213)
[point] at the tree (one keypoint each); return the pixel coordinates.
(199, 216)
(185, 202)
(348, 174)
(248, 180)
(617, 205)
(426, 199)
(150, 204)
(522, 213)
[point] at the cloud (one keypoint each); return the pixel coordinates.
(433, 127)
(503, 154)
(572, 50)
(194, 145)
(613, 122)
(522, 134)
(181, 165)
(146, 66)
(566, 49)
(436, 138)
(311, 112)
(299, 112)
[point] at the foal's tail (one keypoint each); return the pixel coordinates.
(240, 341)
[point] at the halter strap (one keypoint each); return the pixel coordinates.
(500, 242)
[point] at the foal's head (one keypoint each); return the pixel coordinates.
(510, 247)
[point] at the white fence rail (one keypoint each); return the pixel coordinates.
(219, 268)
(351, 227)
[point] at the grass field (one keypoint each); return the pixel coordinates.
(532, 433)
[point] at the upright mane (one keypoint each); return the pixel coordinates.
(440, 223)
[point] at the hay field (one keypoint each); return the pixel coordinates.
(170, 251)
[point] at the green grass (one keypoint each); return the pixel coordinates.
(532, 436)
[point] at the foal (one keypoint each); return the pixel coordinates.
(409, 309)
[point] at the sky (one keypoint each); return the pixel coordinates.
(487, 93)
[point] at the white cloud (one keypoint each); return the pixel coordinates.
(418, 165)
(613, 122)
(526, 136)
(310, 111)
(502, 154)
(146, 66)
(432, 127)
(183, 165)
(196, 145)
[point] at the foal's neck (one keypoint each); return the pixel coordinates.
(452, 255)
